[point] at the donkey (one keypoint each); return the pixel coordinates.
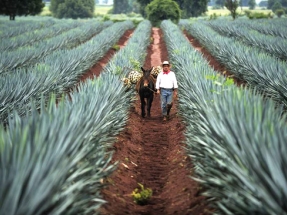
(146, 89)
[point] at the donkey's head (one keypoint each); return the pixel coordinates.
(146, 76)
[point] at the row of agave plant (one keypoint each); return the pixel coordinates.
(12, 29)
(57, 72)
(273, 45)
(273, 27)
(235, 138)
(26, 56)
(31, 36)
(260, 70)
(53, 162)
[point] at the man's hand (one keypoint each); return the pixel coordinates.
(158, 91)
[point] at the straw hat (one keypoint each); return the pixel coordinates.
(165, 63)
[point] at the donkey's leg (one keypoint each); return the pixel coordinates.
(143, 106)
(149, 103)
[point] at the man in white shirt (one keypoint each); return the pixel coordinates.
(166, 85)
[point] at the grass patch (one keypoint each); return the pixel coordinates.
(141, 195)
(46, 12)
(102, 9)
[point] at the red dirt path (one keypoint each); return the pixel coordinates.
(150, 152)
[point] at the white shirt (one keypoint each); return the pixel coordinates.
(166, 81)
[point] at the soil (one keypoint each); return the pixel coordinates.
(150, 151)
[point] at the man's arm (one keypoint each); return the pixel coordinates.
(157, 84)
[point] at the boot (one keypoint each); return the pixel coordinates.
(168, 108)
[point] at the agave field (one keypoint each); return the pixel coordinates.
(236, 136)
(73, 147)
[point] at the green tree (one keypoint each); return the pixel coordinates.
(181, 3)
(271, 3)
(134, 5)
(276, 6)
(194, 8)
(251, 4)
(232, 6)
(121, 6)
(279, 12)
(55, 4)
(188, 7)
(159, 10)
(13, 8)
(143, 4)
(72, 8)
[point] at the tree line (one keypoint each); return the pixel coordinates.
(151, 9)
(85, 8)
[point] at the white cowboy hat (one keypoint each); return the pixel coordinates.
(165, 63)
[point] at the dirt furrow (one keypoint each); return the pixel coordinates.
(151, 152)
